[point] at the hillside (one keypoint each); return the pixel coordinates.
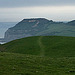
(20, 64)
(38, 55)
(26, 28)
(52, 46)
(39, 26)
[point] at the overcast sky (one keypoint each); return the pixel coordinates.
(57, 10)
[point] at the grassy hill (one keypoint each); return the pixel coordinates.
(39, 26)
(38, 55)
(53, 46)
(20, 64)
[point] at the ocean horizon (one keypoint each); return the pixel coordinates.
(2, 42)
(4, 27)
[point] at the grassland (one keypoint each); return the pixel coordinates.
(53, 46)
(39, 55)
(20, 64)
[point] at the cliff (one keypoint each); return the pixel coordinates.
(26, 28)
(39, 26)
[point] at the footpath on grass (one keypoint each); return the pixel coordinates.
(42, 47)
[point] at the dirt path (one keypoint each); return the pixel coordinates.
(42, 52)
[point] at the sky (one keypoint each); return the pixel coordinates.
(57, 10)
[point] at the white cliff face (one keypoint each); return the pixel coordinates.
(12, 34)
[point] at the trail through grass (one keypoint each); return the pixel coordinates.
(52, 46)
(42, 47)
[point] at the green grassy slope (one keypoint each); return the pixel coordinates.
(53, 46)
(20, 64)
(59, 29)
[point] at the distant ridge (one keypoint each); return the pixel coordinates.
(72, 22)
(39, 26)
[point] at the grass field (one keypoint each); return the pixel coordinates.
(20, 64)
(39, 55)
(53, 46)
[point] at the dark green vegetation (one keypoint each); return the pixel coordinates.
(53, 46)
(40, 26)
(39, 55)
(19, 64)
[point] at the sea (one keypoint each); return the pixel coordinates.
(4, 27)
(2, 42)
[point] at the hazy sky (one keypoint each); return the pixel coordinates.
(57, 10)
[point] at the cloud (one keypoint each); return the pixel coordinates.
(63, 13)
(29, 3)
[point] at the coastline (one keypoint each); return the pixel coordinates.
(2, 42)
